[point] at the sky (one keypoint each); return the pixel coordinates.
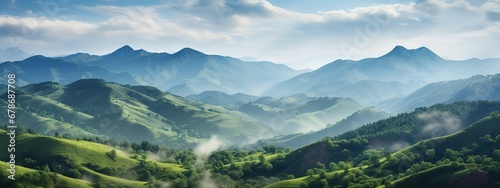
(300, 34)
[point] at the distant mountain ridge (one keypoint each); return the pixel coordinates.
(222, 99)
(477, 87)
(39, 68)
(189, 71)
(402, 70)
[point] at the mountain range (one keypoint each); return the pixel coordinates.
(372, 80)
(189, 71)
(477, 87)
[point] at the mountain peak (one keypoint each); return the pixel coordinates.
(189, 52)
(398, 50)
(123, 50)
(402, 52)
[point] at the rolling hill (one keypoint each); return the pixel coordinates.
(64, 157)
(466, 158)
(93, 107)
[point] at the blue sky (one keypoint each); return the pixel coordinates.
(301, 34)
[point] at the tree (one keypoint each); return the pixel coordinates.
(112, 154)
(322, 173)
(430, 153)
(497, 139)
(496, 153)
(320, 165)
(56, 134)
(262, 159)
(334, 167)
(309, 172)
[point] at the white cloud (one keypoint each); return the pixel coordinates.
(439, 123)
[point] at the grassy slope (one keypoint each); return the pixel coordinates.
(63, 181)
(82, 152)
(134, 112)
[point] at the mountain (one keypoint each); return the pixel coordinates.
(39, 69)
(189, 71)
(354, 121)
(474, 88)
(94, 107)
(222, 99)
(372, 80)
(12, 54)
(295, 114)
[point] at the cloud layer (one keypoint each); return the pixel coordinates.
(256, 28)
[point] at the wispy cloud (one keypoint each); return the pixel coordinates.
(439, 123)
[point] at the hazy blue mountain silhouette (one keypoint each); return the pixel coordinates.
(189, 71)
(478, 87)
(395, 74)
(12, 54)
(39, 68)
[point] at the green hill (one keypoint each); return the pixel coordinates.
(93, 107)
(467, 158)
(427, 122)
(88, 163)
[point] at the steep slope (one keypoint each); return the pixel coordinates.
(189, 69)
(401, 70)
(474, 88)
(135, 113)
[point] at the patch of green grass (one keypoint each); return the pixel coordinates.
(105, 179)
(292, 183)
(61, 181)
